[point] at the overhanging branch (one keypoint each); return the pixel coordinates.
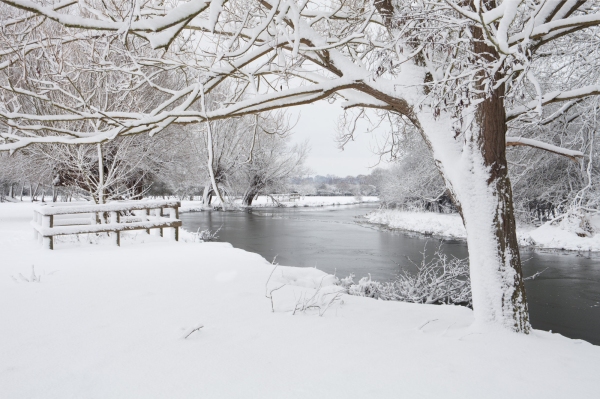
(553, 97)
(522, 141)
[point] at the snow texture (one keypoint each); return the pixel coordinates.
(159, 319)
(60, 208)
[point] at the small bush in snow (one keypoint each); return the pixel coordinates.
(206, 235)
(347, 282)
(33, 278)
(577, 221)
(369, 288)
(441, 280)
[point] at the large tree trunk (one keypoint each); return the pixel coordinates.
(478, 180)
(206, 195)
(249, 197)
(486, 205)
(485, 198)
(256, 185)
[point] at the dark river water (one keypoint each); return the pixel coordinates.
(565, 298)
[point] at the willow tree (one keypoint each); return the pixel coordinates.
(456, 71)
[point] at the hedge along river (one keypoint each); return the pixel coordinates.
(564, 298)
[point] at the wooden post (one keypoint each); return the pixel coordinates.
(48, 241)
(160, 215)
(115, 218)
(174, 215)
(147, 219)
(176, 228)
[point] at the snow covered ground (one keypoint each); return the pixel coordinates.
(559, 236)
(304, 201)
(110, 322)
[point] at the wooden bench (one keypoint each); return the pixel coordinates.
(66, 218)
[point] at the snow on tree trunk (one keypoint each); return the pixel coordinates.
(485, 200)
(484, 194)
(476, 173)
(477, 176)
(100, 175)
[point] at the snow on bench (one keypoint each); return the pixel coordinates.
(62, 219)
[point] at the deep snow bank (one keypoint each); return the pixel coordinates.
(451, 226)
(109, 322)
(437, 224)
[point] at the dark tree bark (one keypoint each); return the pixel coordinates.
(249, 197)
(483, 194)
(490, 141)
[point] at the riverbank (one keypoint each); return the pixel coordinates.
(304, 201)
(104, 321)
(450, 226)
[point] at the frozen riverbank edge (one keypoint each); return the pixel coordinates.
(106, 321)
(450, 226)
(308, 202)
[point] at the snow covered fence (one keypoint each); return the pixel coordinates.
(81, 218)
(291, 197)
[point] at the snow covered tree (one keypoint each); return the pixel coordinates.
(272, 164)
(456, 71)
(545, 186)
(27, 174)
(413, 181)
(117, 170)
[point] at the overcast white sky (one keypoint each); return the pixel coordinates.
(317, 124)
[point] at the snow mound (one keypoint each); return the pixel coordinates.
(303, 277)
(565, 235)
(436, 224)
(555, 237)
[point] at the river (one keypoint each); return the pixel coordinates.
(565, 298)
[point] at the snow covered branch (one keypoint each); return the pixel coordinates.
(521, 141)
(553, 97)
(183, 12)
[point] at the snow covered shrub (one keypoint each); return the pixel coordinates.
(577, 221)
(347, 282)
(368, 288)
(206, 235)
(441, 280)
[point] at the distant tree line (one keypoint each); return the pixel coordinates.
(331, 185)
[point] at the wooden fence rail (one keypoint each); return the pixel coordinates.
(80, 218)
